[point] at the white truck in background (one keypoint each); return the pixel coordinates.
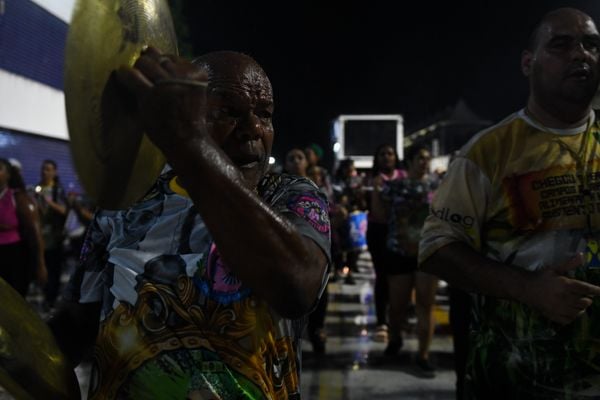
(357, 136)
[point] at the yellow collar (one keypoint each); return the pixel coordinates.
(175, 187)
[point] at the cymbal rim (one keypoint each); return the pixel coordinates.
(31, 364)
(116, 165)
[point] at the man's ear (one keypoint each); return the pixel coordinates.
(526, 62)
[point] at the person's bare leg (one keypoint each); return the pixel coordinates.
(426, 286)
(400, 287)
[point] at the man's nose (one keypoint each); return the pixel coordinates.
(249, 127)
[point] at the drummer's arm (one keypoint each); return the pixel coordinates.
(75, 327)
(263, 249)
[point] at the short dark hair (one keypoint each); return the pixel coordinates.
(344, 165)
(16, 179)
(318, 150)
(51, 162)
(414, 150)
(375, 170)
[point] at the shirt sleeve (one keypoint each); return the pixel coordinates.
(307, 208)
(87, 282)
(458, 209)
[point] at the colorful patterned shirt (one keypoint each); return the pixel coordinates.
(527, 196)
(409, 201)
(176, 323)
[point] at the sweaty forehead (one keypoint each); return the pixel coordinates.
(243, 79)
(567, 24)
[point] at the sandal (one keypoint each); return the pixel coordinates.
(381, 334)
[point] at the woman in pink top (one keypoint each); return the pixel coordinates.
(21, 249)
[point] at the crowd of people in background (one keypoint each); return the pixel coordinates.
(41, 229)
(528, 272)
(380, 211)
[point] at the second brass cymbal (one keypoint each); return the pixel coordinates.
(31, 364)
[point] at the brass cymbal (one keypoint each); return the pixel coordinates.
(115, 161)
(31, 364)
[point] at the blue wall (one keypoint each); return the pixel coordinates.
(32, 45)
(32, 42)
(31, 150)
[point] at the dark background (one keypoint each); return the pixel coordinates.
(327, 58)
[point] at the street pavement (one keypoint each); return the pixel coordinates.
(354, 367)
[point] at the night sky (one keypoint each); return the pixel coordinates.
(327, 58)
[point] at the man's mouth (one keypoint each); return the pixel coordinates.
(581, 73)
(250, 165)
(248, 161)
(247, 155)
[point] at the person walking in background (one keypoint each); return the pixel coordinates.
(349, 197)
(386, 167)
(314, 156)
(295, 163)
(51, 201)
(318, 175)
(408, 202)
(348, 186)
(79, 216)
(313, 153)
(21, 246)
(512, 217)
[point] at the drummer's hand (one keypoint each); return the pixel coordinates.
(555, 295)
(171, 95)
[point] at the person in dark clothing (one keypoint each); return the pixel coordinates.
(386, 166)
(51, 201)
